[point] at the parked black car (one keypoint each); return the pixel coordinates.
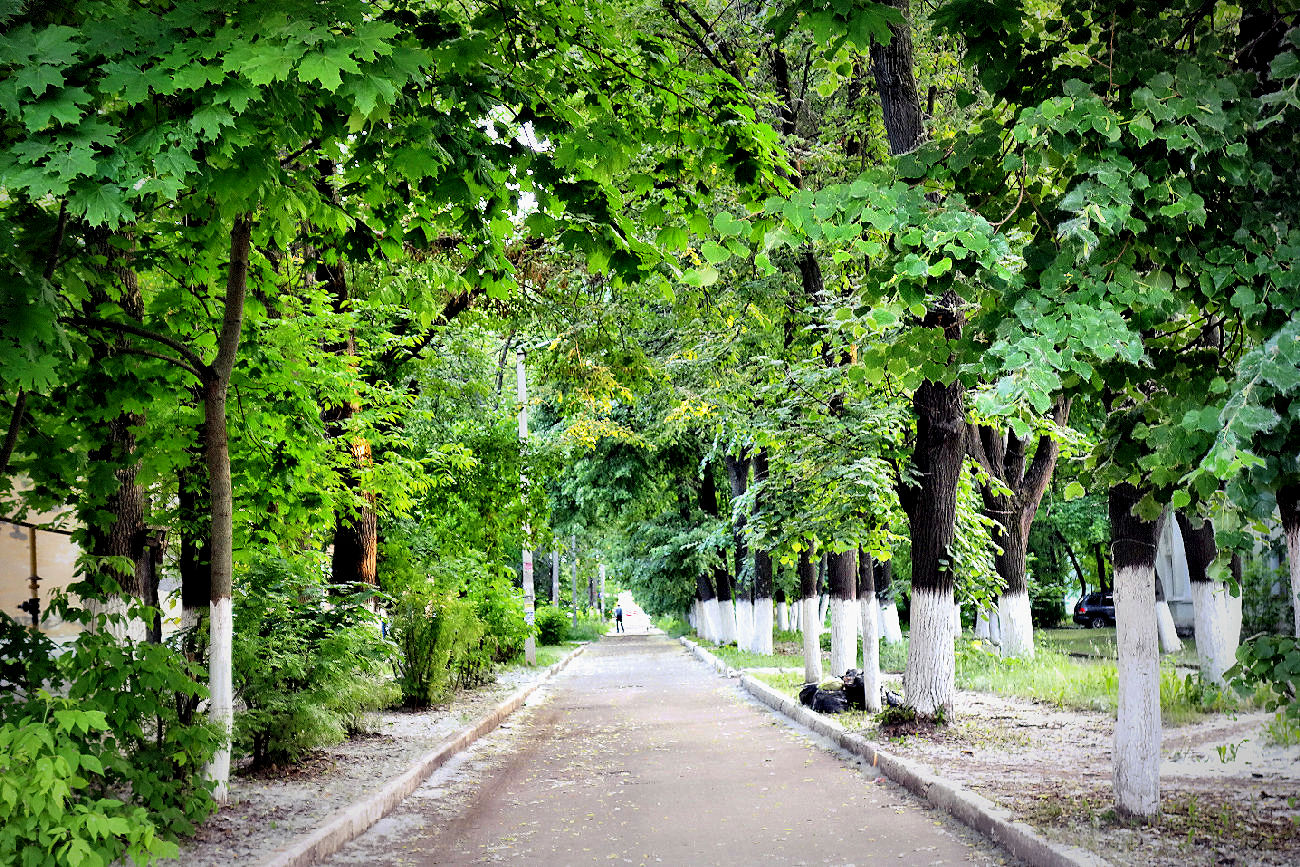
(1097, 609)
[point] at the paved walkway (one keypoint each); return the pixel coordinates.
(637, 754)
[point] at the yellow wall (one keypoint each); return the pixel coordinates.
(56, 561)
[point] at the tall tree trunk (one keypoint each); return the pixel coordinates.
(115, 466)
(726, 606)
(356, 527)
(216, 454)
(1216, 639)
(1137, 728)
(763, 581)
(870, 616)
(890, 630)
(707, 627)
(892, 65)
(782, 610)
(555, 578)
(811, 626)
(1288, 503)
(843, 570)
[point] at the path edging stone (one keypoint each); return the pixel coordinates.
(995, 822)
(349, 822)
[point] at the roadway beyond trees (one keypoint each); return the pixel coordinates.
(636, 754)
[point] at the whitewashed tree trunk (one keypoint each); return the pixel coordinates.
(889, 628)
(796, 616)
(221, 692)
(526, 556)
(712, 612)
(763, 626)
(693, 619)
(812, 641)
(1137, 729)
(956, 620)
(930, 678)
(995, 630)
(1217, 635)
(844, 635)
(555, 578)
(1017, 625)
(783, 615)
(870, 616)
(823, 610)
(745, 624)
(1169, 640)
(982, 625)
(727, 622)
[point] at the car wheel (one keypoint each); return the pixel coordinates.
(1097, 622)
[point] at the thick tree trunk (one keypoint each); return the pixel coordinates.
(899, 103)
(114, 467)
(1137, 728)
(929, 681)
(869, 612)
(1216, 639)
(217, 457)
(843, 569)
(707, 625)
(1165, 629)
(1288, 502)
(812, 640)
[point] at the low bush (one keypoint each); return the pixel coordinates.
(552, 625)
(590, 627)
(434, 635)
(673, 627)
(52, 810)
(309, 662)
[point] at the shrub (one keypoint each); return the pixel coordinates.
(552, 626)
(500, 608)
(590, 627)
(50, 809)
(434, 635)
(674, 627)
(308, 665)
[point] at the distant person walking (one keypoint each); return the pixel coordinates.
(618, 618)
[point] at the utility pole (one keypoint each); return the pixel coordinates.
(530, 614)
(573, 546)
(602, 590)
(555, 576)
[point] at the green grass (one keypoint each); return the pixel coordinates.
(1101, 643)
(547, 654)
(744, 659)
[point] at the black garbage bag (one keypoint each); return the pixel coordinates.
(823, 700)
(855, 689)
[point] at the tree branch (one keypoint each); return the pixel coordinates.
(148, 353)
(110, 325)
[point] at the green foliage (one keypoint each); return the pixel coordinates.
(1184, 699)
(308, 663)
(435, 636)
(673, 627)
(52, 811)
(590, 627)
(1272, 661)
(552, 625)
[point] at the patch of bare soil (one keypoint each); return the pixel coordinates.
(270, 807)
(1228, 797)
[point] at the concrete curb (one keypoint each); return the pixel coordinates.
(976, 811)
(351, 821)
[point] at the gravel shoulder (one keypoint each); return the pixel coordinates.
(1228, 797)
(269, 809)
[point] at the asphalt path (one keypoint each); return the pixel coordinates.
(638, 754)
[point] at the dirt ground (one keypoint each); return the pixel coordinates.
(1228, 796)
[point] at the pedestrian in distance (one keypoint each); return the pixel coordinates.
(618, 618)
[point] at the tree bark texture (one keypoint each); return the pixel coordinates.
(1137, 727)
(869, 611)
(892, 65)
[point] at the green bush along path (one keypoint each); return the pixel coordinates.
(638, 754)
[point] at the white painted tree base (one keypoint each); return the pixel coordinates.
(221, 699)
(783, 616)
(956, 620)
(889, 628)
(981, 626)
(1137, 727)
(763, 626)
(812, 641)
(823, 611)
(844, 635)
(796, 616)
(869, 613)
(745, 625)
(1217, 635)
(1169, 640)
(930, 680)
(1017, 624)
(693, 620)
(727, 622)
